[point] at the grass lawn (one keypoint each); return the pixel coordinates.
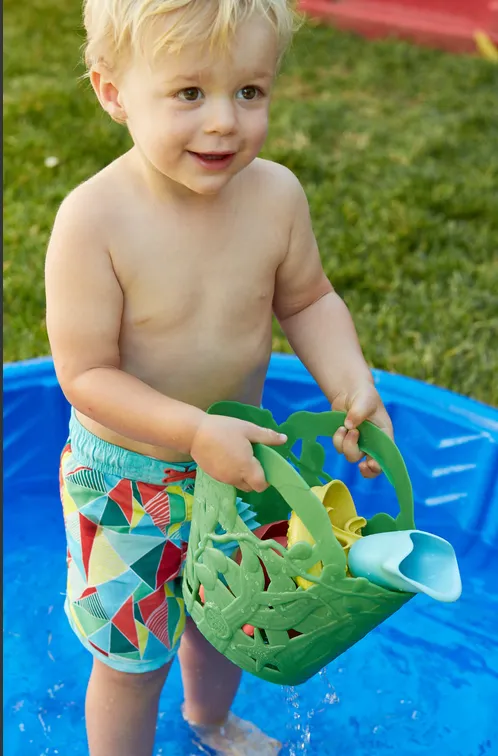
(396, 146)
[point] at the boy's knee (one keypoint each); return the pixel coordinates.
(141, 681)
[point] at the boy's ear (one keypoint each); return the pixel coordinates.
(105, 87)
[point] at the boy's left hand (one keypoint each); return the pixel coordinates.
(363, 404)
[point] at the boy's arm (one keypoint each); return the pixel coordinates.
(313, 316)
(84, 310)
(321, 331)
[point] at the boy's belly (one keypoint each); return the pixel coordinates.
(199, 375)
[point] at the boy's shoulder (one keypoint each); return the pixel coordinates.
(277, 192)
(94, 199)
(276, 177)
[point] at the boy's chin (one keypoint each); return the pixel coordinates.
(208, 186)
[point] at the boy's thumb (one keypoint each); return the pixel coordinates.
(361, 408)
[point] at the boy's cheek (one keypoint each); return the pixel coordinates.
(259, 132)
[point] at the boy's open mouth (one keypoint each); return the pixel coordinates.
(213, 160)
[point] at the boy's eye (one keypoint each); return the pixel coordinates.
(190, 94)
(249, 93)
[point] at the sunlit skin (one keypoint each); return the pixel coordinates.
(210, 239)
(163, 273)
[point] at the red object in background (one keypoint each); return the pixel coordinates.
(450, 24)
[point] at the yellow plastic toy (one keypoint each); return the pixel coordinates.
(346, 523)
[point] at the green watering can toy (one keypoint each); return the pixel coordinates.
(285, 599)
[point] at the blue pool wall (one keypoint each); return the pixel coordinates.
(424, 683)
(449, 442)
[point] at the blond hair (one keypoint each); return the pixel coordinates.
(117, 27)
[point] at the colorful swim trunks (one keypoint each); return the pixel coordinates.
(127, 520)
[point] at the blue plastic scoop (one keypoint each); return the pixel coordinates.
(408, 560)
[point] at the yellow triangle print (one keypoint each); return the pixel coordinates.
(172, 529)
(76, 621)
(64, 457)
(105, 564)
(142, 634)
(68, 504)
(189, 500)
(180, 626)
(137, 514)
(167, 591)
(175, 490)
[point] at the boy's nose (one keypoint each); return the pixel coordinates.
(220, 118)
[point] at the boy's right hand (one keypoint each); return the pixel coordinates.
(222, 447)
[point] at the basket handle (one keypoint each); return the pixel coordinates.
(378, 445)
(294, 489)
(372, 441)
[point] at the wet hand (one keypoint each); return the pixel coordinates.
(222, 447)
(362, 404)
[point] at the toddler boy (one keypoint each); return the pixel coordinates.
(162, 275)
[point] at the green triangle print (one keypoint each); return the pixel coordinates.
(90, 479)
(141, 592)
(133, 655)
(81, 496)
(89, 623)
(132, 547)
(138, 614)
(113, 516)
(119, 643)
(136, 492)
(146, 567)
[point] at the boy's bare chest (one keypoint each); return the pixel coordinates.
(212, 273)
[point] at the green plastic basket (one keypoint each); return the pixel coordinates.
(327, 618)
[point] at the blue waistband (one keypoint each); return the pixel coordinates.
(94, 452)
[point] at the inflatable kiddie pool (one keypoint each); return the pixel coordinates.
(423, 682)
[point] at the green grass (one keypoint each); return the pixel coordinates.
(396, 146)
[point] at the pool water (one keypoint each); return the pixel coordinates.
(424, 682)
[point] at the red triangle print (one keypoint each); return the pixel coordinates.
(169, 566)
(158, 624)
(125, 622)
(155, 501)
(88, 592)
(88, 530)
(122, 494)
(150, 603)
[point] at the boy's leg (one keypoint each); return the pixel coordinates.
(210, 683)
(210, 680)
(121, 710)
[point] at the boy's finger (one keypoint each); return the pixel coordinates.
(258, 435)
(373, 465)
(255, 477)
(366, 470)
(350, 447)
(338, 439)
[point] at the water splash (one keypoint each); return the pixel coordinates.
(305, 717)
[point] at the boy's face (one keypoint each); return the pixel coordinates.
(199, 117)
